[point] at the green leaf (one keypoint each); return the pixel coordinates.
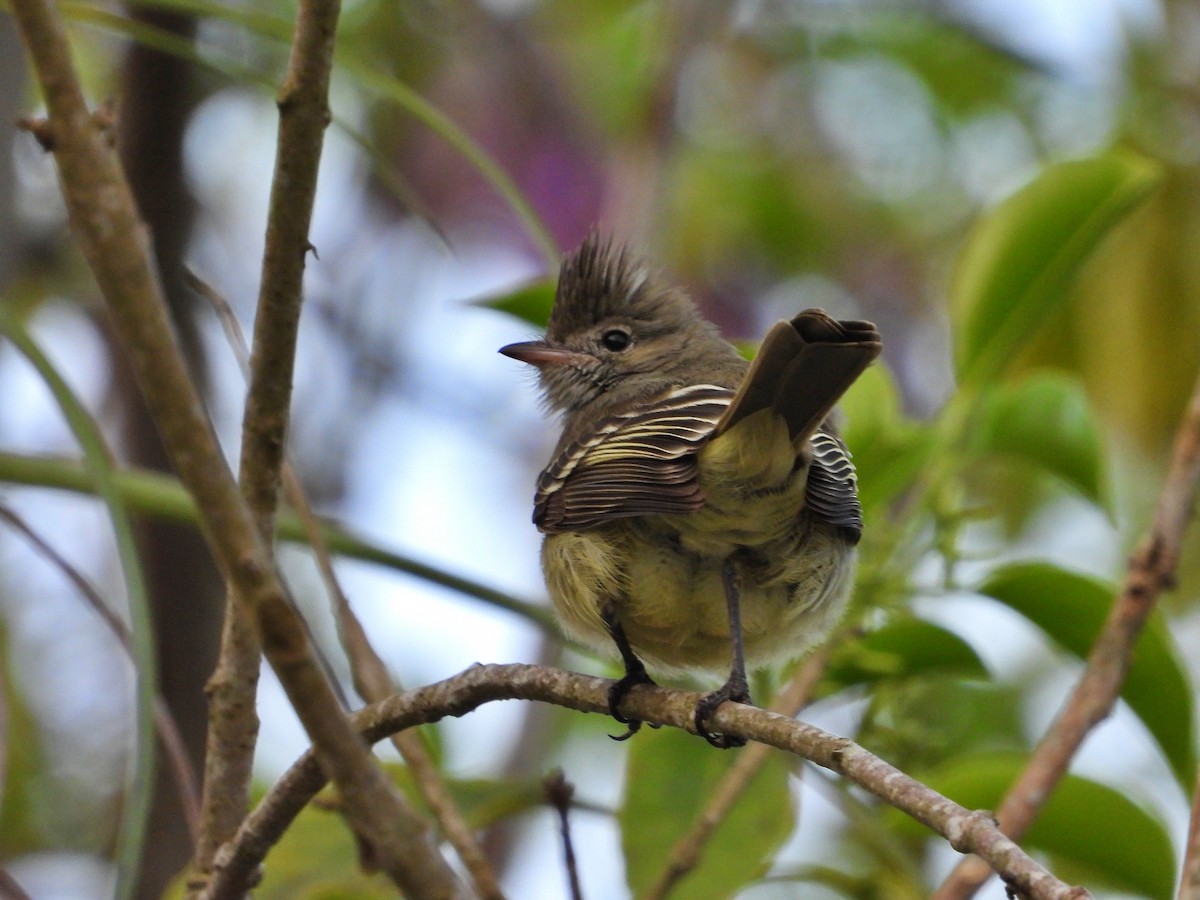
(902, 649)
(529, 302)
(1071, 608)
(1021, 259)
(1046, 420)
(1101, 836)
(670, 778)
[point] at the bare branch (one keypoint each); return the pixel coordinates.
(114, 242)
(371, 678)
(1151, 571)
(303, 114)
(560, 792)
(967, 831)
(1189, 881)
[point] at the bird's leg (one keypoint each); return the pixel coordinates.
(736, 688)
(635, 673)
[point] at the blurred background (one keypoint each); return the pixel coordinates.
(770, 156)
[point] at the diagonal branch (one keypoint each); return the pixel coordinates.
(967, 831)
(1189, 880)
(303, 103)
(1151, 571)
(370, 674)
(116, 246)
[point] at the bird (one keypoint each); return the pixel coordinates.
(700, 512)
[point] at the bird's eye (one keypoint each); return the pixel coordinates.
(616, 339)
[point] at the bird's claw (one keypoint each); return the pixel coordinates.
(730, 690)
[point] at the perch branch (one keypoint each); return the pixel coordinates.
(967, 831)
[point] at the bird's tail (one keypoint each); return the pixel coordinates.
(802, 369)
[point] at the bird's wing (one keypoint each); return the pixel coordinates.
(637, 463)
(832, 490)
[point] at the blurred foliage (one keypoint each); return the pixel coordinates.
(1025, 233)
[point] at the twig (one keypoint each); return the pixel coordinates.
(1151, 571)
(685, 855)
(1189, 881)
(559, 793)
(371, 678)
(303, 103)
(967, 831)
(164, 722)
(115, 244)
(10, 889)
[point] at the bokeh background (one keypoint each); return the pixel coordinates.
(768, 155)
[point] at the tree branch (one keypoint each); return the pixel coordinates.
(115, 244)
(1189, 880)
(1151, 571)
(303, 115)
(967, 831)
(371, 677)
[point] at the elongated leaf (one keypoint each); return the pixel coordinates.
(670, 777)
(1046, 420)
(1071, 609)
(902, 649)
(98, 462)
(529, 302)
(1093, 832)
(1020, 260)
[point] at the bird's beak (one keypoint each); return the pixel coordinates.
(539, 353)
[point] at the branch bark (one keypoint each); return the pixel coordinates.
(370, 674)
(303, 115)
(1189, 880)
(1151, 571)
(967, 831)
(116, 247)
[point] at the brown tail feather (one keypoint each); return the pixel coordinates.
(802, 369)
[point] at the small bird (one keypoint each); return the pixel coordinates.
(699, 511)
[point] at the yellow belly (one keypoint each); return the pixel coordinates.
(670, 599)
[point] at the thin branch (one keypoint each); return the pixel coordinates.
(115, 244)
(371, 678)
(10, 889)
(1189, 880)
(967, 831)
(303, 103)
(164, 722)
(1151, 571)
(560, 792)
(685, 855)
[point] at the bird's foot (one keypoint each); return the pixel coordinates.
(734, 689)
(617, 693)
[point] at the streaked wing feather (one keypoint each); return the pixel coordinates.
(634, 464)
(832, 491)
